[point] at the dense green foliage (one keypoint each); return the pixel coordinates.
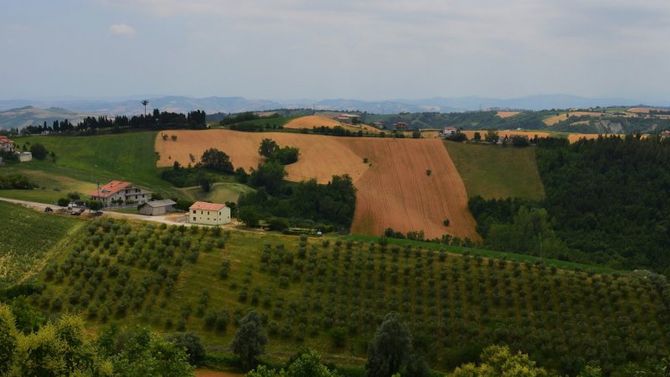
(391, 351)
(156, 120)
(217, 160)
(499, 361)
(303, 204)
(305, 364)
(609, 199)
(250, 340)
(273, 152)
(606, 203)
(16, 182)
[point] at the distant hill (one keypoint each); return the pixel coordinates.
(28, 115)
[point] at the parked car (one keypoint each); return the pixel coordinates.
(48, 210)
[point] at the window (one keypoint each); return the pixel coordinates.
(193, 218)
(194, 212)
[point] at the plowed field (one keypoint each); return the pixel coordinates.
(394, 189)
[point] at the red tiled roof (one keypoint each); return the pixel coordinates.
(110, 189)
(5, 140)
(204, 206)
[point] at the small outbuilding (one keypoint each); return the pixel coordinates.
(25, 156)
(157, 207)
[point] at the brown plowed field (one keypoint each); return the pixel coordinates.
(314, 121)
(393, 188)
(507, 114)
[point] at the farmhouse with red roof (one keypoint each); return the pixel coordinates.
(6, 144)
(120, 193)
(208, 213)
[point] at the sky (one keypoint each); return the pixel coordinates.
(363, 49)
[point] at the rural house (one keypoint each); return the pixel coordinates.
(348, 118)
(157, 207)
(6, 145)
(449, 131)
(120, 193)
(208, 213)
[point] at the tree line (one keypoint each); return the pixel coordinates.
(157, 120)
(606, 203)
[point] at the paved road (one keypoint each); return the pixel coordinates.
(171, 219)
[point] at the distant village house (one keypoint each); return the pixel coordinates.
(348, 118)
(157, 207)
(6, 144)
(209, 213)
(449, 131)
(116, 193)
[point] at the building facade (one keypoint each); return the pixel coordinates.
(208, 213)
(119, 193)
(6, 145)
(157, 207)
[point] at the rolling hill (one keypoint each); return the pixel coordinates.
(310, 290)
(394, 186)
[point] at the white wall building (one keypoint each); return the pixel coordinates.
(208, 213)
(120, 193)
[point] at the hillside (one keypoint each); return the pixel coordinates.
(314, 121)
(83, 161)
(26, 239)
(394, 188)
(493, 171)
(330, 294)
(29, 115)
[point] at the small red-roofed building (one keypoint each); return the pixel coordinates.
(208, 213)
(118, 193)
(6, 144)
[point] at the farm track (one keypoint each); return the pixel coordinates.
(393, 187)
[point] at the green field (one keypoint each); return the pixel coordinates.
(329, 294)
(83, 161)
(26, 238)
(221, 192)
(497, 172)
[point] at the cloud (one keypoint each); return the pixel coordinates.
(122, 30)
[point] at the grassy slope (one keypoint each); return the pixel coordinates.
(459, 303)
(221, 192)
(497, 172)
(26, 238)
(83, 161)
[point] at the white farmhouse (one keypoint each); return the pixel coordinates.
(208, 213)
(6, 145)
(120, 193)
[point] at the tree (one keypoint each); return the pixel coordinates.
(39, 151)
(8, 339)
(268, 175)
(499, 361)
(94, 205)
(63, 202)
(59, 349)
(305, 364)
(137, 352)
(145, 103)
(250, 340)
(249, 216)
(191, 343)
(217, 160)
(390, 349)
(268, 148)
(204, 183)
